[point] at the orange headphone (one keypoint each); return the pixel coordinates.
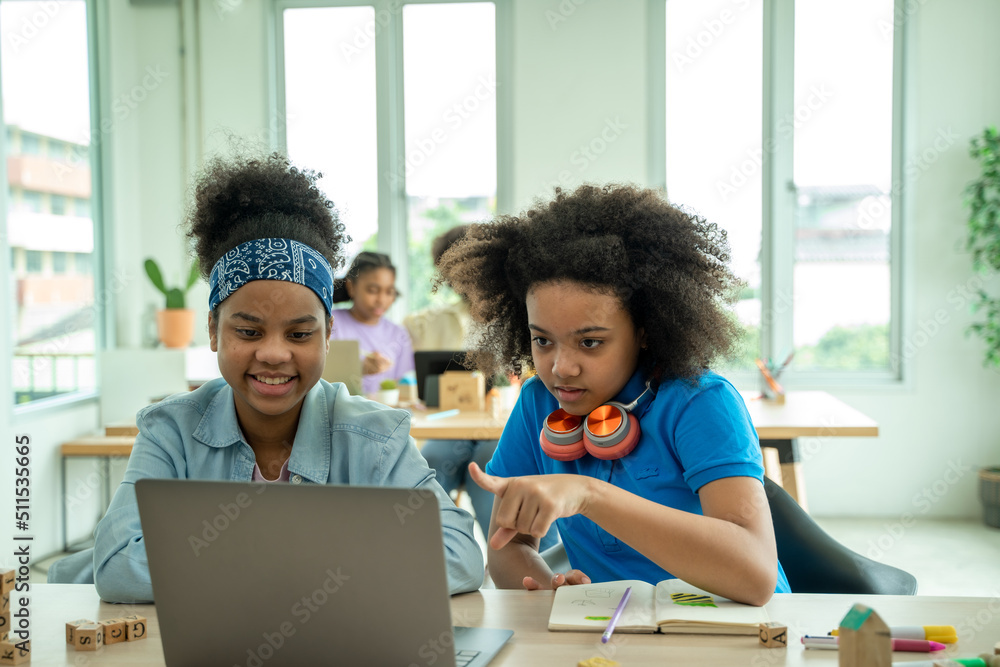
(609, 432)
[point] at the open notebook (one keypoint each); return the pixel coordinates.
(672, 606)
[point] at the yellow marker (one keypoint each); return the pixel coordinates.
(945, 634)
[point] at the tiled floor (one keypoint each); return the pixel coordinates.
(947, 556)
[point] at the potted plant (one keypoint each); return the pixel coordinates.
(175, 323)
(388, 393)
(983, 242)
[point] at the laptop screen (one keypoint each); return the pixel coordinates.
(436, 362)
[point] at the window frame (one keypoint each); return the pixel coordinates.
(778, 194)
(393, 228)
(98, 59)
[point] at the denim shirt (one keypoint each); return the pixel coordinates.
(341, 439)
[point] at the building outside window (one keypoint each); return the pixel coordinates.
(46, 106)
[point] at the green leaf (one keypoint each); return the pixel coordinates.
(192, 276)
(153, 271)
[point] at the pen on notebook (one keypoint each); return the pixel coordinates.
(443, 414)
(945, 634)
(913, 645)
(946, 662)
(618, 613)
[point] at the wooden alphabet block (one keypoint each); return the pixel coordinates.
(89, 637)
(6, 582)
(5, 602)
(462, 390)
(4, 622)
(115, 631)
(996, 649)
(597, 661)
(15, 654)
(774, 635)
(72, 626)
(864, 639)
(136, 627)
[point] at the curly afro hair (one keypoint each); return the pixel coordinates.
(669, 269)
(249, 198)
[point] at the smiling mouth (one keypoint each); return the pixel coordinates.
(266, 380)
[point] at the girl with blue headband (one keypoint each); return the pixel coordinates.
(268, 241)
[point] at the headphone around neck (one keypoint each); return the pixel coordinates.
(609, 432)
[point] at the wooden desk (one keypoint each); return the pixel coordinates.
(803, 414)
(977, 621)
(463, 426)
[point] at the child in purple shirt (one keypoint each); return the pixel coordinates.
(386, 350)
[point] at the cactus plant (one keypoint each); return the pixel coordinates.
(175, 296)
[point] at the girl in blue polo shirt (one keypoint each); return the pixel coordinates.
(646, 460)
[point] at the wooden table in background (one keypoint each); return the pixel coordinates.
(803, 414)
(527, 613)
(103, 447)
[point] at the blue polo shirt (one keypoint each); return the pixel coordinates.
(692, 434)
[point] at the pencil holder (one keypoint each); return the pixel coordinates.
(778, 398)
(989, 493)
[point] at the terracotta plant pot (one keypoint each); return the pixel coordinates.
(175, 326)
(989, 493)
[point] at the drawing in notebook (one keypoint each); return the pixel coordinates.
(671, 606)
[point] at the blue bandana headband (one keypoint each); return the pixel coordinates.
(271, 259)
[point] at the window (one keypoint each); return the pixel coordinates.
(46, 87)
(330, 110)
(81, 208)
(793, 155)
(31, 144)
(83, 263)
(31, 201)
(33, 261)
(423, 138)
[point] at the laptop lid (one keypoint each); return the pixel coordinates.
(436, 362)
(343, 364)
(316, 574)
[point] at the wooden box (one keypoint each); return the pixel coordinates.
(463, 390)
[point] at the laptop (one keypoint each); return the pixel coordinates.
(279, 574)
(343, 364)
(430, 363)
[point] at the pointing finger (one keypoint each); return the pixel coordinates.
(496, 485)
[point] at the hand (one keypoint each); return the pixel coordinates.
(528, 505)
(375, 363)
(571, 578)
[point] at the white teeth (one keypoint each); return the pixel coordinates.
(271, 380)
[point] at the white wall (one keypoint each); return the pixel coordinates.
(571, 78)
(580, 110)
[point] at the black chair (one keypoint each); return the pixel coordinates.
(814, 562)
